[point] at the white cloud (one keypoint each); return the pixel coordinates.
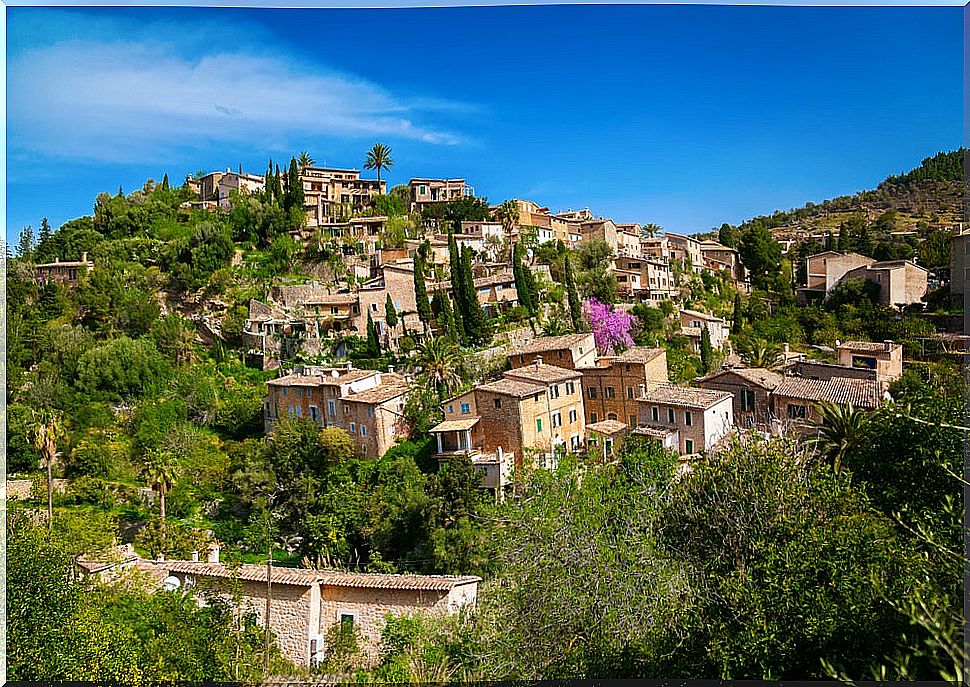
(123, 101)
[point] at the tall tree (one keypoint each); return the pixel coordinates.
(476, 323)
(45, 430)
(165, 186)
(440, 362)
(707, 351)
(508, 215)
(457, 288)
(305, 160)
(390, 312)
(421, 289)
(373, 341)
(294, 187)
(43, 239)
(379, 158)
(840, 429)
(522, 287)
(25, 246)
(161, 471)
(736, 321)
(572, 296)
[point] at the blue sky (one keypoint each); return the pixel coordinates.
(684, 116)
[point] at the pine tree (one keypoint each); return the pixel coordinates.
(457, 289)
(575, 311)
(390, 312)
(45, 232)
(421, 290)
(736, 320)
(707, 351)
(373, 341)
(25, 246)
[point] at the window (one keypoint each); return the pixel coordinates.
(609, 392)
(554, 391)
(629, 392)
(796, 411)
(331, 408)
(538, 424)
(498, 403)
(363, 430)
(570, 388)
(284, 390)
(334, 310)
(560, 355)
(688, 418)
(314, 412)
(309, 393)
(592, 418)
(747, 400)
(611, 416)
(521, 359)
(556, 420)
(299, 393)
(633, 420)
(592, 392)
(466, 408)
(655, 414)
(572, 416)
(688, 446)
(670, 415)
(574, 441)
(346, 620)
(299, 411)
(370, 412)
(353, 427)
(451, 408)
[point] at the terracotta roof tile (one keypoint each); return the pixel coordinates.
(542, 373)
(862, 393)
(551, 343)
(687, 397)
(513, 387)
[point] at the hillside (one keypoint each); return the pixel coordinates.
(923, 199)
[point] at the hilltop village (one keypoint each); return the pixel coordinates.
(357, 413)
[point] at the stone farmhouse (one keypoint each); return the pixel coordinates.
(690, 420)
(885, 359)
(794, 400)
(65, 273)
(565, 227)
(216, 187)
(644, 278)
(825, 270)
(716, 256)
(900, 282)
(367, 403)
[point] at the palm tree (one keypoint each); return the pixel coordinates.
(45, 430)
(761, 354)
(305, 160)
(651, 230)
(160, 471)
(508, 215)
(840, 429)
(379, 157)
(440, 360)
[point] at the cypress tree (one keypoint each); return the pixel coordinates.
(165, 182)
(294, 187)
(521, 286)
(476, 324)
(268, 181)
(843, 245)
(421, 290)
(390, 312)
(828, 240)
(373, 342)
(575, 311)
(736, 318)
(707, 351)
(457, 289)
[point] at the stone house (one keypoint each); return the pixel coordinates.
(306, 604)
(216, 187)
(331, 195)
(794, 400)
(685, 248)
(701, 417)
(900, 282)
(367, 403)
(692, 321)
(628, 239)
(425, 192)
(608, 434)
(531, 410)
(751, 389)
(885, 358)
(571, 351)
(612, 384)
(825, 270)
(601, 230)
(717, 256)
(65, 273)
(565, 227)
(653, 281)
(960, 265)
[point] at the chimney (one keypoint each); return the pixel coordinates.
(786, 349)
(838, 343)
(390, 369)
(643, 389)
(84, 256)
(537, 362)
(213, 553)
(500, 453)
(889, 344)
(195, 556)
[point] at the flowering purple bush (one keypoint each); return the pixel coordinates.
(611, 328)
